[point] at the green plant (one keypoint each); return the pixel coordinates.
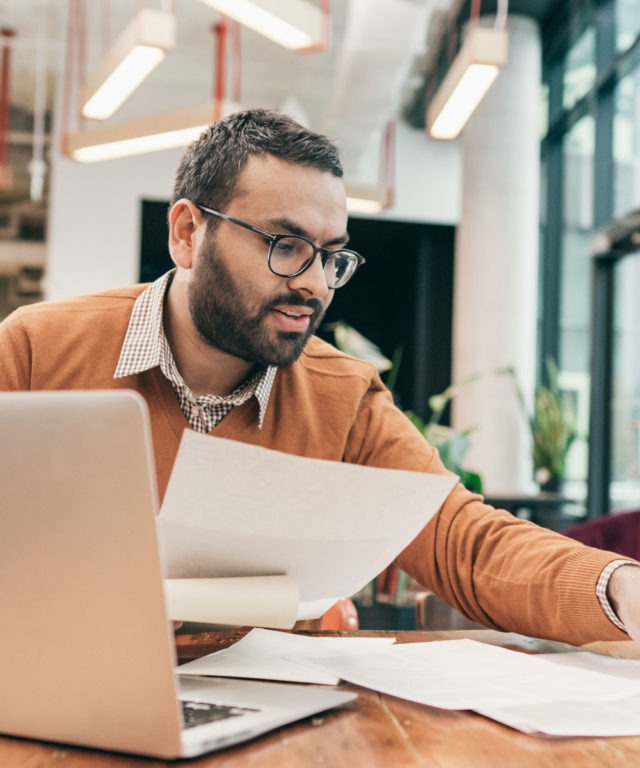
(452, 447)
(553, 428)
(354, 343)
(451, 444)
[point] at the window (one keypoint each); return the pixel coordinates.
(578, 155)
(626, 144)
(625, 443)
(591, 169)
(627, 20)
(580, 69)
(578, 148)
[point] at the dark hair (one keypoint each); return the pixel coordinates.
(209, 170)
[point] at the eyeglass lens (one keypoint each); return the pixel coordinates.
(292, 255)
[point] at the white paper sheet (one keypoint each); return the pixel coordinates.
(265, 601)
(596, 662)
(239, 510)
(620, 717)
(465, 674)
(267, 655)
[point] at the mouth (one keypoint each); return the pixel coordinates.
(294, 313)
(291, 318)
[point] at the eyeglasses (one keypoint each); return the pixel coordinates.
(291, 255)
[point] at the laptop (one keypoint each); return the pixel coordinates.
(87, 654)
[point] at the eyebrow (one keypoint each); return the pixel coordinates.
(286, 225)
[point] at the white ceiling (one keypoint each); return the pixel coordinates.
(350, 90)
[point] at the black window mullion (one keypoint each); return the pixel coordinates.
(551, 277)
(603, 273)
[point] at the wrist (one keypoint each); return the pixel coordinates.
(622, 587)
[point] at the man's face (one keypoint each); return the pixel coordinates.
(236, 303)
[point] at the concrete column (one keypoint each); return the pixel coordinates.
(496, 265)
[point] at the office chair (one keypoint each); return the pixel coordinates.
(618, 532)
(341, 615)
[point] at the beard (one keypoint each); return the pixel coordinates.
(219, 310)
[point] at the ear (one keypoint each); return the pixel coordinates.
(184, 222)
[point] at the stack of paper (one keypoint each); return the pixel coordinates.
(563, 694)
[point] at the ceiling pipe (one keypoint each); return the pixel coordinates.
(5, 84)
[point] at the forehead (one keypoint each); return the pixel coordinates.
(270, 188)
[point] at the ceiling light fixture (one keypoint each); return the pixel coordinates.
(470, 76)
(135, 54)
(165, 131)
(294, 24)
(362, 198)
(366, 199)
(149, 134)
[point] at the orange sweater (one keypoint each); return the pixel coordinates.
(498, 570)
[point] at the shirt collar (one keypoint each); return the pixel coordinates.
(142, 347)
(145, 346)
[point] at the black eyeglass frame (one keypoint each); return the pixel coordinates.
(273, 238)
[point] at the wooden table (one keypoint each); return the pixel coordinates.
(376, 731)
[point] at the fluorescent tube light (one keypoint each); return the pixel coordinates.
(150, 134)
(135, 54)
(294, 24)
(366, 199)
(470, 76)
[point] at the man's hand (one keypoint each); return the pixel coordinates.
(623, 592)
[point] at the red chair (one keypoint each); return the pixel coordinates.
(341, 615)
(617, 532)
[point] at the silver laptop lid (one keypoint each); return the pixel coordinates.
(86, 651)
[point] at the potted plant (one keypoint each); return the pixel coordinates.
(452, 445)
(553, 430)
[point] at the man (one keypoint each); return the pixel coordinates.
(224, 344)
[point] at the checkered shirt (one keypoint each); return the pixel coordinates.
(145, 346)
(601, 590)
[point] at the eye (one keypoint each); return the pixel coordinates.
(292, 248)
(285, 246)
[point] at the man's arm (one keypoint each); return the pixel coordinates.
(15, 354)
(496, 569)
(624, 594)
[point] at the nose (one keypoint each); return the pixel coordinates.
(312, 281)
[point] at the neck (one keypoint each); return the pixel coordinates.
(206, 370)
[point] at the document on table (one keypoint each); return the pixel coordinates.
(578, 717)
(233, 509)
(267, 655)
(527, 692)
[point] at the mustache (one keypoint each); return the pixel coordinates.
(294, 299)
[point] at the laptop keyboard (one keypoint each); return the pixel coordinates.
(201, 712)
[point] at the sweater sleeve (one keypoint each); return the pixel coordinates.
(503, 572)
(15, 354)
